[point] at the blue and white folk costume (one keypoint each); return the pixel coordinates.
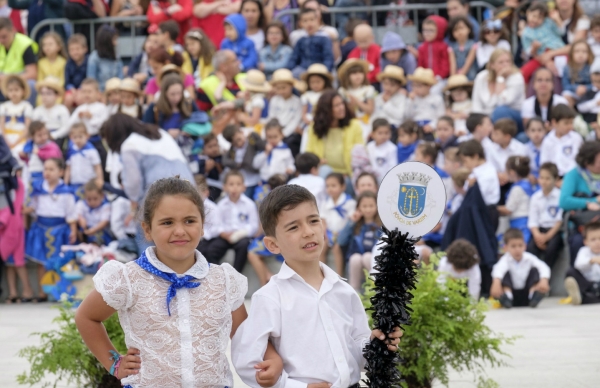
(517, 201)
(50, 230)
(94, 216)
(81, 162)
(361, 242)
(336, 215)
(161, 311)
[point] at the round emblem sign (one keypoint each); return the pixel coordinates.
(412, 198)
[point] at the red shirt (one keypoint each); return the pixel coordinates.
(371, 55)
(182, 17)
(212, 25)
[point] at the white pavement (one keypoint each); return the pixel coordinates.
(559, 345)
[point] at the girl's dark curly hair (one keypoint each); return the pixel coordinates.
(324, 114)
(104, 42)
(462, 254)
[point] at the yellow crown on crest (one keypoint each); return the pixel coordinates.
(414, 177)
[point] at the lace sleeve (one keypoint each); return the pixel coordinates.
(237, 286)
(112, 283)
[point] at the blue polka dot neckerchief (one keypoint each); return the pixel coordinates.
(176, 282)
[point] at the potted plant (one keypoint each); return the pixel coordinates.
(447, 331)
(61, 352)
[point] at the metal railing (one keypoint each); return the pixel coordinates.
(132, 21)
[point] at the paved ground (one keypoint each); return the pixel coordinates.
(558, 348)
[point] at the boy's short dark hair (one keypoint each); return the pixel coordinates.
(306, 11)
(506, 126)
(171, 27)
(447, 119)
(273, 124)
(338, 177)
(513, 234)
(471, 148)
(591, 227)
(78, 39)
(474, 120)
(232, 173)
(35, 127)
(378, 123)
(540, 7)
(562, 112)
(230, 130)
(462, 254)
(595, 22)
(551, 168)
(276, 180)
(286, 197)
(210, 137)
(306, 162)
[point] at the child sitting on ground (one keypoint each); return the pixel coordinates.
(462, 262)
(383, 154)
(562, 144)
(83, 160)
(38, 149)
(583, 281)
(307, 166)
(241, 155)
(93, 215)
(293, 229)
(519, 278)
(519, 194)
(545, 217)
(277, 157)
(425, 107)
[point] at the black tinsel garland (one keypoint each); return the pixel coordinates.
(395, 279)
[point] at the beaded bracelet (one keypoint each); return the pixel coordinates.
(116, 357)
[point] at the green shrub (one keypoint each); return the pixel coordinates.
(63, 353)
(447, 331)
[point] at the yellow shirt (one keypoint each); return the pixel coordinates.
(341, 146)
(54, 69)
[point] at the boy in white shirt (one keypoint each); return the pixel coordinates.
(425, 105)
(287, 108)
(307, 165)
(473, 157)
(83, 160)
(480, 128)
(383, 154)
(326, 350)
(504, 146)
(239, 223)
(520, 278)
(54, 115)
(462, 262)
(583, 282)
(545, 217)
(277, 157)
(562, 144)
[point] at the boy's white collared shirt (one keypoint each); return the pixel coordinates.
(561, 151)
(544, 211)
(498, 155)
(240, 215)
(519, 270)
(319, 335)
(583, 264)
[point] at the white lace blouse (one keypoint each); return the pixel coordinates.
(186, 349)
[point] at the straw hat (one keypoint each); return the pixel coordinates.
(51, 83)
(130, 85)
(393, 72)
(112, 85)
(285, 75)
(256, 81)
(352, 62)
(170, 68)
(458, 81)
(424, 76)
(23, 83)
(317, 69)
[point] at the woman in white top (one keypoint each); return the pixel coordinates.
(541, 103)
(499, 91)
(256, 22)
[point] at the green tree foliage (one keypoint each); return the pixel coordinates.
(447, 331)
(63, 354)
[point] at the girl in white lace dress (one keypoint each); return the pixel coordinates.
(174, 306)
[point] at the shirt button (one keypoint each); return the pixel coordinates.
(185, 321)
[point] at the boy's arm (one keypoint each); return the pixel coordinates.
(295, 57)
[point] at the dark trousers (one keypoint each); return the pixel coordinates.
(575, 244)
(553, 248)
(503, 193)
(486, 280)
(589, 294)
(293, 141)
(494, 216)
(521, 297)
(99, 146)
(215, 249)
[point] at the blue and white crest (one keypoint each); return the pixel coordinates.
(553, 211)
(412, 194)
(568, 150)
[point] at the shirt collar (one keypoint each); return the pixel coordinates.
(199, 270)
(286, 272)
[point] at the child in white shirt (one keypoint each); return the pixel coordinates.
(425, 107)
(545, 217)
(287, 108)
(583, 281)
(480, 128)
(255, 88)
(239, 223)
(482, 172)
(327, 347)
(54, 115)
(462, 262)
(391, 104)
(15, 114)
(83, 160)
(505, 145)
(318, 79)
(93, 215)
(277, 157)
(562, 144)
(383, 154)
(519, 278)
(307, 165)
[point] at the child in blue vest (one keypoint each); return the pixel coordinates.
(237, 41)
(519, 195)
(93, 215)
